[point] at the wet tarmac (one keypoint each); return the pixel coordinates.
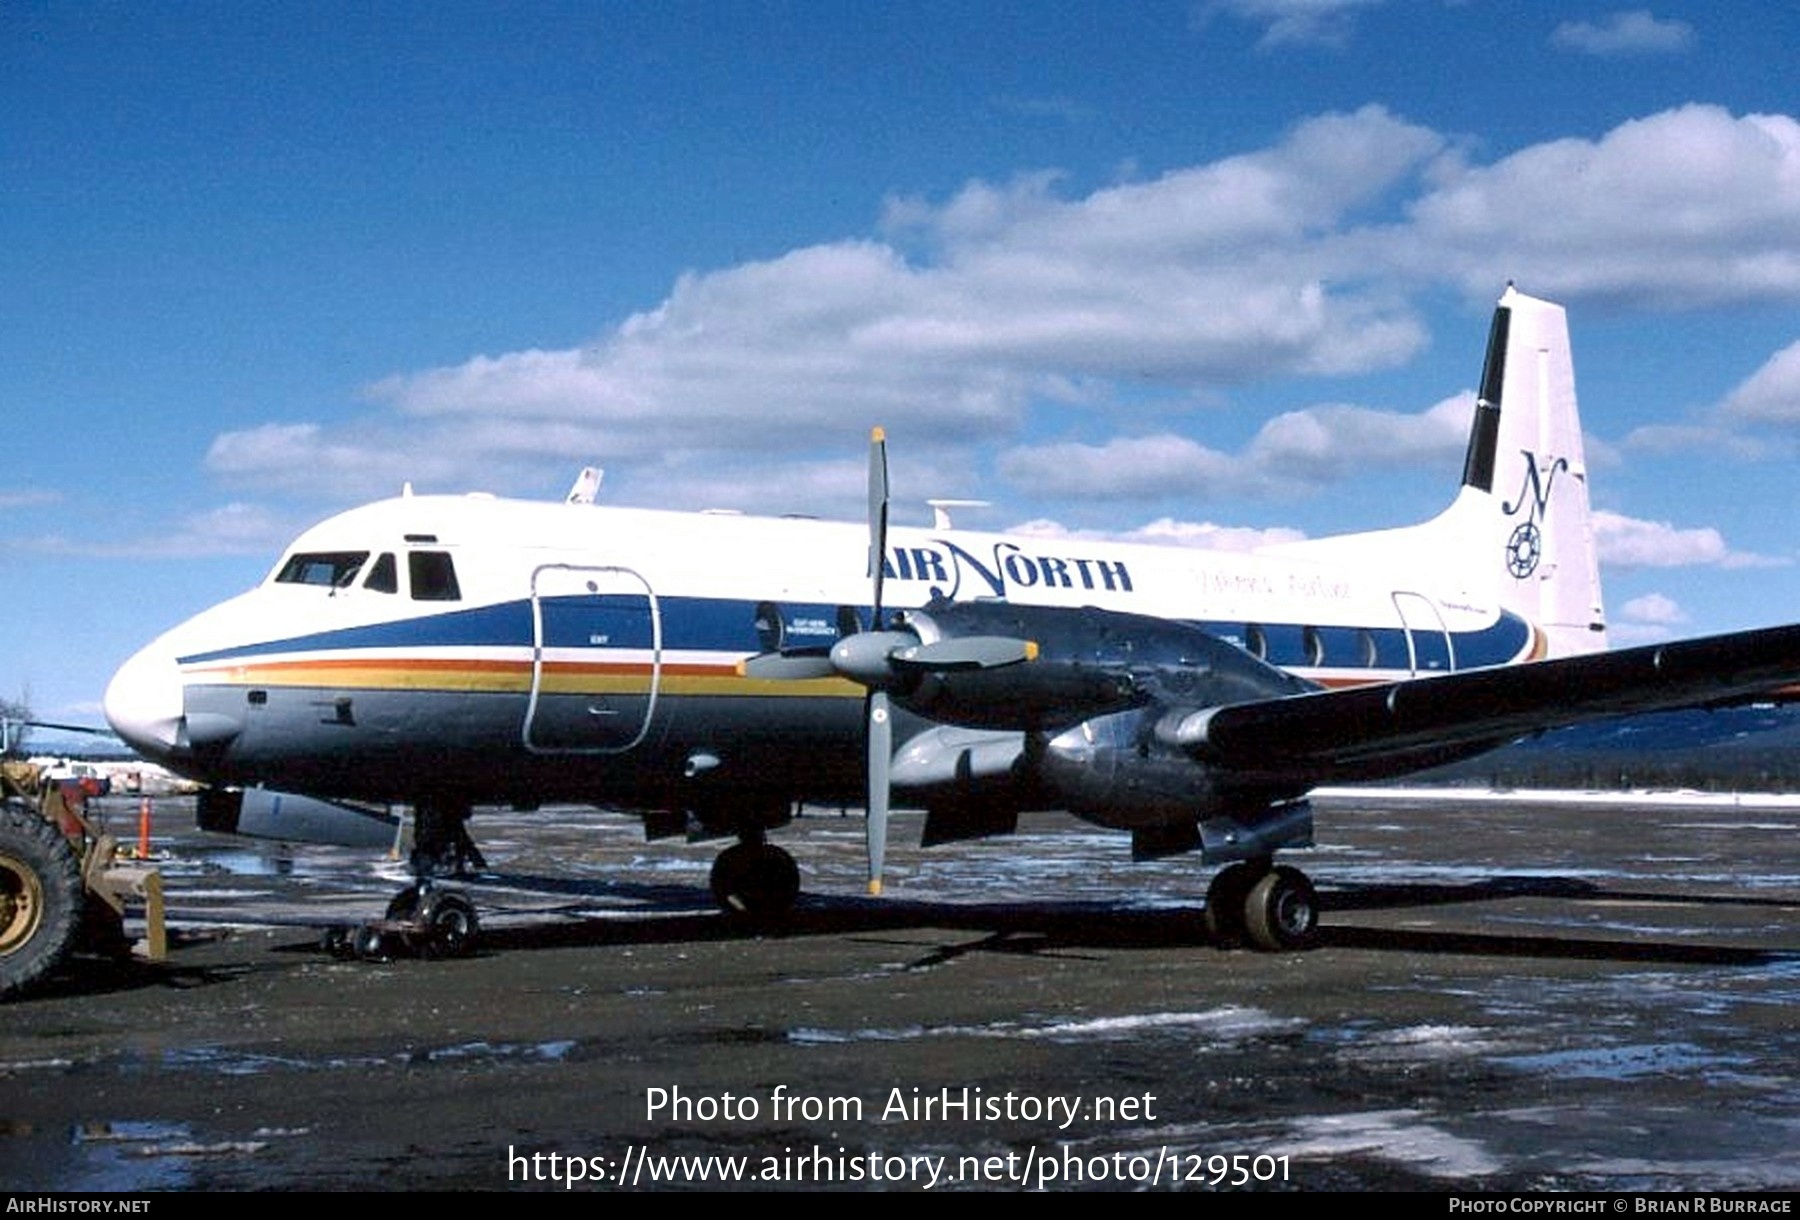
(1509, 994)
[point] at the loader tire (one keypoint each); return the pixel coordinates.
(41, 898)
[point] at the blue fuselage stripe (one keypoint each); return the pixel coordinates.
(696, 624)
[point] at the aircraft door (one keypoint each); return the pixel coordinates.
(596, 660)
(1429, 648)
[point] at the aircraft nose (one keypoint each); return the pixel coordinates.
(144, 702)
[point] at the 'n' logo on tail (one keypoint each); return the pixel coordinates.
(1526, 545)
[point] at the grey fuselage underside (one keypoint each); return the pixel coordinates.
(404, 746)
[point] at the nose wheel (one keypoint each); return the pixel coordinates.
(423, 920)
(1267, 906)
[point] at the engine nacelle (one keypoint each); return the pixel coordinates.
(1114, 771)
(1089, 663)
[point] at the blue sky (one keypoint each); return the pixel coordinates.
(1096, 263)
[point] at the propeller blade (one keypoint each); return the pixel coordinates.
(8, 724)
(878, 515)
(881, 752)
(796, 665)
(866, 656)
(968, 652)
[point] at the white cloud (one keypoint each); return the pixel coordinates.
(1627, 542)
(1128, 468)
(1166, 531)
(1326, 444)
(1293, 453)
(1121, 307)
(1637, 32)
(1707, 436)
(835, 488)
(1292, 22)
(357, 463)
(1654, 608)
(1772, 393)
(1646, 620)
(28, 498)
(1320, 171)
(1684, 208)
(232, 529)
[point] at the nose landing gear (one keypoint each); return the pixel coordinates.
(423, 920)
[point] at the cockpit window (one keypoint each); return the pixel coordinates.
(433, 577)
(326, 569)
(383, 576)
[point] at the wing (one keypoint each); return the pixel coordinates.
(1393, 727)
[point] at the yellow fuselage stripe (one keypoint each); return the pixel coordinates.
(514, 677)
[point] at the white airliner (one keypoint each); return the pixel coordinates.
(708, 672)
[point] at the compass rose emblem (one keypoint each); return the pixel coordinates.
(1524, 549)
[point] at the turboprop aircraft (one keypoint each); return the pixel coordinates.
(709, 672)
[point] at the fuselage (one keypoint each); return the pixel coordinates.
(492, 650)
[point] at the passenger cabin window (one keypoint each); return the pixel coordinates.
(768, 626)
(433, 577)
(1314, 645)
(384, 576)
(1256, 641)
(325, 569)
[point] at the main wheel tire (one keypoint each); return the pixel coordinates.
(760, 882)
(1225, 899)
(1282, 911)
(777, 880)
(41, 898)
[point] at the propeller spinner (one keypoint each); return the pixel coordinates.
(890, 656)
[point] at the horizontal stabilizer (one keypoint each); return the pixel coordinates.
(1388, 728)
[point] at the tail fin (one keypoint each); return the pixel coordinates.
(1526, 463)
(1520, 531)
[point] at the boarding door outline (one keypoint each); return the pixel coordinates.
(592, 627)
(1429, 648)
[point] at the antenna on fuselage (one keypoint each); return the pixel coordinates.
(940, 511)
(585, 485)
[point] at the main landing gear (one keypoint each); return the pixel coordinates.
(756, 879)
(1267, 905)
